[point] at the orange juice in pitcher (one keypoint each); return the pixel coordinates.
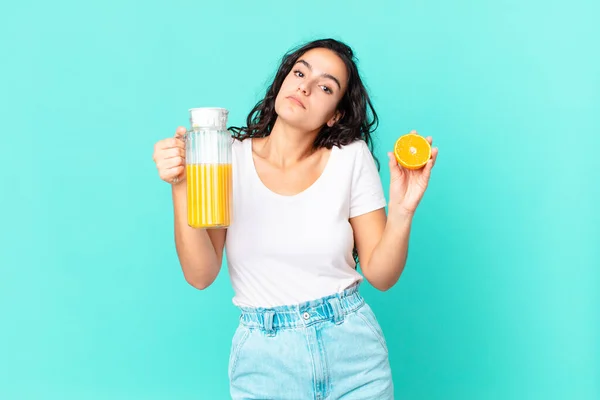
(208, 169)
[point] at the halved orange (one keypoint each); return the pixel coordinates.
(412, 151)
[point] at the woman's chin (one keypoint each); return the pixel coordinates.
(291, 116)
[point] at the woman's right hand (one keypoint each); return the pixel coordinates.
(169, 156)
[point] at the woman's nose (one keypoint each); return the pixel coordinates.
(303, 88)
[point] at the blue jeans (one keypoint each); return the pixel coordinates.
(331, 348)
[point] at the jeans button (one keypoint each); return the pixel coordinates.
(306, 315)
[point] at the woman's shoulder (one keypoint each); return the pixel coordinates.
(238, 145)
(356, 145)
(355, 149)
(238, 150)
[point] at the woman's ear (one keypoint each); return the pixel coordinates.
(336, 117)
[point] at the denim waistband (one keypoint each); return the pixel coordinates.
(330, 308)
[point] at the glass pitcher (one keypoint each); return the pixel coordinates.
(208, 168)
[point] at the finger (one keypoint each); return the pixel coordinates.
(170, 163)
(391, 159)
(427, 170)
(172, 152)
(161, 154)
(395, 169)
(164, 145)
(176, 171)
(180, 131)
(430, 164)
(170, 173)
(429, 140)
(434, 153)
(171, 143)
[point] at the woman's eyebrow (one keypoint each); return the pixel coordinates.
(333, 78)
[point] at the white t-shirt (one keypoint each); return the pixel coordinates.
(284, 250)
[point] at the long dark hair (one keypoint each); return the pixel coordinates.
(355, 105)
(355, 123)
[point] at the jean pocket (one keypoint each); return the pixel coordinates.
(239, 338)
(365, 313)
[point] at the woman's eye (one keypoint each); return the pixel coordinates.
(299, 74)
(326, 89)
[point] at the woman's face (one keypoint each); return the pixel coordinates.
(310, 93)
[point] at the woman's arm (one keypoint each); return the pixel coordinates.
(200, 251)
(382, 246)
(382, 241)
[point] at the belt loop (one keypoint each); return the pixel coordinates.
(338, 314)
(268, 323)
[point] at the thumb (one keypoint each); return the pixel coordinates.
(180, 132)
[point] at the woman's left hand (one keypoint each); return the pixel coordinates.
(408, 186)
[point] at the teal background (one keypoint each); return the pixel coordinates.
(499, 299)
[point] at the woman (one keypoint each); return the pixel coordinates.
(308, 203)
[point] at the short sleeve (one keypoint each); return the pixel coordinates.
(366, 194)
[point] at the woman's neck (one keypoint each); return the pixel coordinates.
(286, 145)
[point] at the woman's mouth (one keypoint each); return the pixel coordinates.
(296, 100)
